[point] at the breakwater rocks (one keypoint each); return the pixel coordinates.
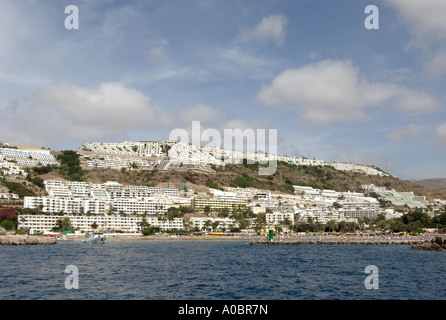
(340, 241)
(25, 240)
(437, 243)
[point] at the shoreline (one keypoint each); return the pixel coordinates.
(301, 239)
(253, 239)
(15, 239)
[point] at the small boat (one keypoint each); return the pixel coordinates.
(94, 237)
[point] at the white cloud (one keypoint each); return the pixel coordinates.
(333, 91)
(199, 112)
(271, 28)
(65, 113)
(437, 65)
(440, 134)
(409, 131)
(112, 104)
(411, 101)
(425, 18)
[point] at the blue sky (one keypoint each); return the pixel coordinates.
(136, 70)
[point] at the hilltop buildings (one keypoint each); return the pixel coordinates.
(149, 154)
(114, 206)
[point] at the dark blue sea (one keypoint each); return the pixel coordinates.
(219, 270)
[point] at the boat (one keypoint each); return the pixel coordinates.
(94, 237)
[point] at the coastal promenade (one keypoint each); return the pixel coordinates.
(253, 239)
(344, 240)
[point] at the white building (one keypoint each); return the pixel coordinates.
(360, 214)
(131, 224)
(200, 222)
(65, 205)
(280, 217)
(9, 196)
(29, 157)
(59, 192)
(10, 168)
(139, 206)
(323, 216)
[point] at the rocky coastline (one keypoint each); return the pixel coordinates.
(437, 243)
(13, 239)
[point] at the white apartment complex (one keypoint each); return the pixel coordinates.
(398, 198)
(65, 205)
(29, 157)
(186, 153)
(139, 206)
(8, 168)
(131, 224)
(323, 216)
(280, 217)
(201, 222)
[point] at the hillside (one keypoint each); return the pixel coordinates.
(438, 184)
(243, 175)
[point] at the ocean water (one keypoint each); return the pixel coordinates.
(219, 270)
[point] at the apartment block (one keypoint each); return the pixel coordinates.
(279, 217)
(40, 223)
(216, 205)
(360, 214)
(200, 222)
(65, 205)
(139, 206)
(29, 157)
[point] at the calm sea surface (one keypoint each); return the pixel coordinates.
(218, 269)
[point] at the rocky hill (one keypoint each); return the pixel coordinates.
(438, 184)
(243, 175)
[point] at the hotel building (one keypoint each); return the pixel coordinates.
(131, 224)
(215, 205)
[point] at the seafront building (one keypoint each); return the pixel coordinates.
(111, 205)
(65, 205)
(203, 223)
(113, 223)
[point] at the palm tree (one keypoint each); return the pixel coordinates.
(143, 224)
(331, 224)
(215, 225)
(286, 222)
(207, 224)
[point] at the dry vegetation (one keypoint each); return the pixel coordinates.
(245, 175)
